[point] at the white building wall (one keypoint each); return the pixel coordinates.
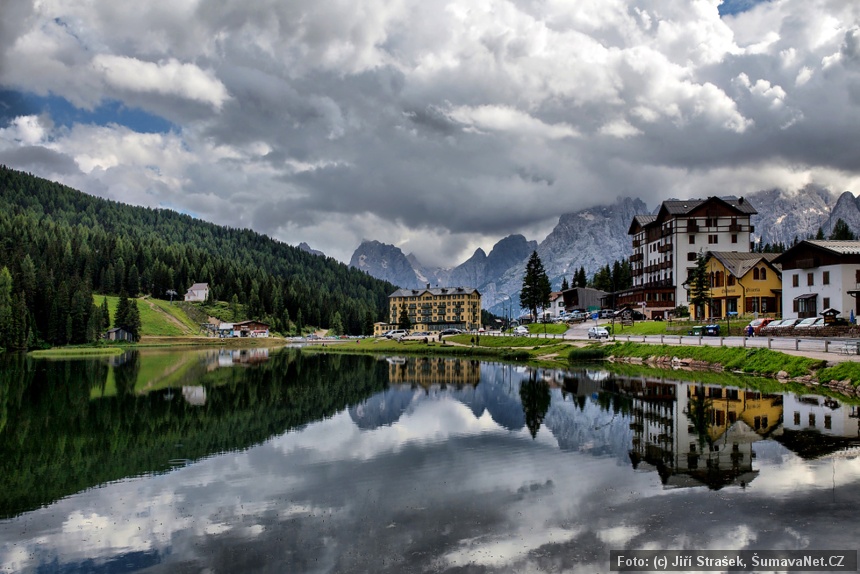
(842, 279)
(826, 420)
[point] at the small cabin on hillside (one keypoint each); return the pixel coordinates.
(198, 292)
(118, 334)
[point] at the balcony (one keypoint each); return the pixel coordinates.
(636, 257)
(692, 227)
(666, 232)
(664, 248)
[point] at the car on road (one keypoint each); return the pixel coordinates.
(758, 324)
(598, 333)
(521, 330)
(451, 331)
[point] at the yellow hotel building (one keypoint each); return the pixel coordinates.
(744, 283)
(437, 308)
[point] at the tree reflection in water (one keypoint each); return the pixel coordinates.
(535, 397)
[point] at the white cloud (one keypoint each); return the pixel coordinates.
(167, 77)
(372, 119)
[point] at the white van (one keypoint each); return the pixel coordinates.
(521, 330)
(396, 333)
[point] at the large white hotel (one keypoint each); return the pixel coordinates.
(666, 246)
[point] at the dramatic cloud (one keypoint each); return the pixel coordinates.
(440, 128)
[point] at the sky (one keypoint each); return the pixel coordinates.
(437, 127)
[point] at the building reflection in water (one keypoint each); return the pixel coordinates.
(428, 372)
(231, 357)
(695, 434)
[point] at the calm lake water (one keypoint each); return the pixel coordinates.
(283, 461)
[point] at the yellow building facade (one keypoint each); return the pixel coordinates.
(435, 309)
(743, 283)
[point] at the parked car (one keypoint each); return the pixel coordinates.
(787, 324)
(771, 327)
(521, 330)
(759, 324)
(450, 331)
(396, 334)
(810, 322)
(598, 333)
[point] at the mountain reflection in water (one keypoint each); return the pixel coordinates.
(289, 461)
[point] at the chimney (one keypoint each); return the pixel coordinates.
(740, 200)
(428, 285)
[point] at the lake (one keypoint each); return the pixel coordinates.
(284, 460)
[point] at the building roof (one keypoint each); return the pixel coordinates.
(680, 207)
(684, 206)
(739, 264)
(830, 252)
(840, 247)
(435, 291)
(199, 286)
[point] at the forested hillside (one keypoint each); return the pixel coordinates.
(60, 246)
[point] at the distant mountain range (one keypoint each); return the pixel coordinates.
(595, 236)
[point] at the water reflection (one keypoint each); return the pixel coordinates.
(329, 463)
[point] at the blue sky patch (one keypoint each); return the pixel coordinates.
(14, 104)
(730, 7)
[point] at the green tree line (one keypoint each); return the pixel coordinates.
(58, 246)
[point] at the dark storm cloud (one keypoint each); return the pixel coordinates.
(38, 159)
(445, 125)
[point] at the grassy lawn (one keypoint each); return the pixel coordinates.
(155, 318)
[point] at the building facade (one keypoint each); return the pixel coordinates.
(555, 309)
(666, 246)
(820, 274)
(197, 292)
(437, 308)
(743, 283)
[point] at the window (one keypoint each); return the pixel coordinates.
(755, 273)
(730, 280)
(825, 277)
(712, 239)
(796, 418)
(812, 419)
(734, 237)
(692, 240)
(826, 302)
(795, 280)
(810, 279)
(762, 274)
(691, 256)
(827, 421)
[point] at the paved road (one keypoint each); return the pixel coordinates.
(831, 350)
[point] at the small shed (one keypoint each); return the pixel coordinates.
(118, 334)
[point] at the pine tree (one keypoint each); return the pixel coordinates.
(133, 324)
(536, 287)
(581, 278)
(403, 322)
(105, 315)
(335, 325)
(841, 232)
(699, 287)
(564, 284)
(5, 307)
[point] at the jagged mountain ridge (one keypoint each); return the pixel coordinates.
(597, 236)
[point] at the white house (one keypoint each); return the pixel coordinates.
(819, 274)
(555, 309)
(197, 292)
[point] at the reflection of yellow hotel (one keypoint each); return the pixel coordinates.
(430, 371)
(743, 283)
(437, 308)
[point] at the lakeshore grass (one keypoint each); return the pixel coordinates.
(840, 372)
(761, 361)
